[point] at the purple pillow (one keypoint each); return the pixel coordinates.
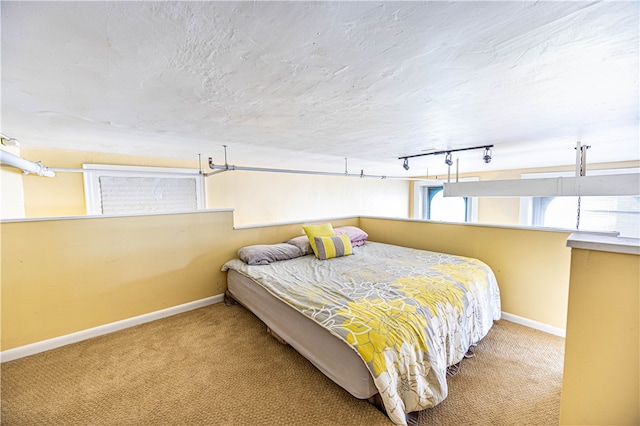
(302, 242)
(265, 254)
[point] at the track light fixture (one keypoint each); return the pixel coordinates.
(447, 159)
(486, 156)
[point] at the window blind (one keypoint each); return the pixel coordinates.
(125, 195)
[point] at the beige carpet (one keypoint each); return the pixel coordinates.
(217, 366)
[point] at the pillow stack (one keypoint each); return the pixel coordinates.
(349, 237)
(323, 241)
(313, 231)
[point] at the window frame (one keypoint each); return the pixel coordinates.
(432, 191)
(418, 198)
(91, 181)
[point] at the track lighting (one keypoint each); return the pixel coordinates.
(447, 159)
(487, 154)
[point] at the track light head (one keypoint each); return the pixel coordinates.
(406, 164)
(447, 159)
(487, 154)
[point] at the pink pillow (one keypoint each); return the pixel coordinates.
(355, 234)
(358, 243)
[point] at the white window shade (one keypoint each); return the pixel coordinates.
(140, 190)
(122, 195)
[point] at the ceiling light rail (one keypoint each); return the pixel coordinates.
(486, 156)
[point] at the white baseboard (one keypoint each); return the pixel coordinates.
(557, 331)
(56, 342)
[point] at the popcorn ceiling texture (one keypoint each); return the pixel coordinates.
(307, 84)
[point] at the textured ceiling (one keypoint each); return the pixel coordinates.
(305, 85)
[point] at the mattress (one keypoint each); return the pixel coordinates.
(330, 355)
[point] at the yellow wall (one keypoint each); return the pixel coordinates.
(601, 367)
(276, 197)
(532, 266)
(120, 254)
(67, 275)
(266, 197)
(256, 197)
(63, 276)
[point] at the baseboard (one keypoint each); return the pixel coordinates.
(557, 331)
(56, 342)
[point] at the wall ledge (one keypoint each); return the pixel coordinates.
(103, 216)
(604, 243)
(492, 225)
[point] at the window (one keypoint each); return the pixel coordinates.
(431, 204)
(601, 213)
(438, 207)
(135, 190)
(621, 214)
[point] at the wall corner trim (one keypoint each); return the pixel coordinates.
(56, 342)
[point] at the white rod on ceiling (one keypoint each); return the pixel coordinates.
(187, 172)
(219, 168)
(224, 168)
(26, 165)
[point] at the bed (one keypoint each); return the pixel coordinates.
(384, 322)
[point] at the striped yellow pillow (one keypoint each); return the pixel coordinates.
(313, 231)
(330, 247)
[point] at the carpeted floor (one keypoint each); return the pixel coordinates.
(217, 366)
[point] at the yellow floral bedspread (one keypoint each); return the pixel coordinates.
(408, 313)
